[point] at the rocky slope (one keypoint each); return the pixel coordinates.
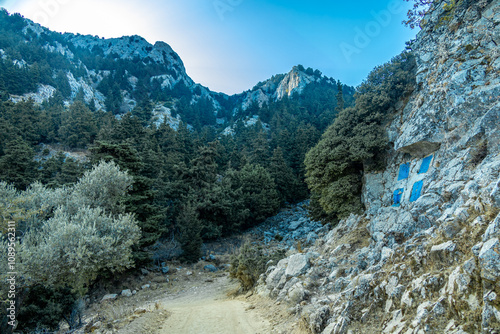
(425, 256)
(131, 49)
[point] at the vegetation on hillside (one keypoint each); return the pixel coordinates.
(69, 236)
(356, 141)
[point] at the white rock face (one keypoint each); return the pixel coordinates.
(257, 96)
(167, 80)
(281, 86)
(89, 93)
(132, 48)
(294, 81)
(162, 114)
(248, 122)
(44, 93)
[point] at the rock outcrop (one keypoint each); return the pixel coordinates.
(283, 85)
(425, 256)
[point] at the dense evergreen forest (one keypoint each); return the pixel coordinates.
(67, 163)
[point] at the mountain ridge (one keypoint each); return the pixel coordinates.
(165, 72)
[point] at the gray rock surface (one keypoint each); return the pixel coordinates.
(493, 230)
(297, 265)
(109, 297)
(126, 293)
(211, 268)
(495, 194)
(489, 258)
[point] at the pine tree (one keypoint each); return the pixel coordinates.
(50, 168)
(129, 128)
(141, 198)
(340, 98)
(357, 140)
(60, 170)
(62, 84)
(286, 182)
(78, 126)
(203, 168)
(114, 99)
(259, 144)
(70, 172)
(200, 179)
(25, 119)
(80, 96)
(258, 193)
(144, 112)
(190, 228)
(17, 165)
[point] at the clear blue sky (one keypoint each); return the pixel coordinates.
(230, 45)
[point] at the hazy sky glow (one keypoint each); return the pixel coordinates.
(231, 45)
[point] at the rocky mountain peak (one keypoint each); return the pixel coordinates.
(284, 85)
(294, 81)
(128, 48)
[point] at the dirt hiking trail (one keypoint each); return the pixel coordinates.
(201, 307)
(208, 310)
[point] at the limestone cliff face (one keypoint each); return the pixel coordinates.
(283, 85)
(294, 81)
(131, 49)
(425, 256)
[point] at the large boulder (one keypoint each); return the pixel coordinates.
(127, 293)
(395, 221)
(297, 265)
(297, 293)
(276, 273)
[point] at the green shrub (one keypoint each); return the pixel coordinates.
(70, 235)
(478, 153)
(43, 308)
(104, 186)
(73, 249)
(250, 262)
(259, 193)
